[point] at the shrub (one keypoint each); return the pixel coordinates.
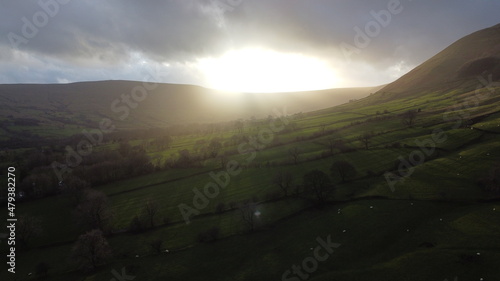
(220, 207)
(156, 245)
(137, 225)
(42, 269)
(273, 196)
(210, 235)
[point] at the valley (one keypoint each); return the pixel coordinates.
(404, 182)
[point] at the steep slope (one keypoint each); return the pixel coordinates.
(458, 64)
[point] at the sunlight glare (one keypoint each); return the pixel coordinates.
(258, 70)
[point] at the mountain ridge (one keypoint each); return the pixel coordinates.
(449, 66)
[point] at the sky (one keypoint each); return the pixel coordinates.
(233, 45)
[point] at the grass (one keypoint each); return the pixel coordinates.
(375, 245)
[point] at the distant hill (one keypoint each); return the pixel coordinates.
(30, 107)
(455, 66)
(84, 104)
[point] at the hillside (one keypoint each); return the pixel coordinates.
(456, 66)
(400, 200)
(64, 108)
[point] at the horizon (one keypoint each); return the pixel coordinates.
(194, 85)
(250, 140)
(231, 48)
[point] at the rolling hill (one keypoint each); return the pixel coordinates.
(84, 104)
(440, 220)
(456, 66)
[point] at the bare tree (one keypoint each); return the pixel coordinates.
(145, 144)
(319, 184)
(124, 148)
(40, 184)
(163, 142)
(91, 250)
(247, 211)
(491, 181)
(239, 126)
(295, 153)
(158, 161)
(365, 138)
(94, 212)
(284, 180)
(223, 160)
(343, 169)
(156, 245)
(150, 210)
(293, 125)
(42, 270)
(137, 224)
(209, 235)
(27, 228)
(334, 143)
(75, 188)
(322, 127)
(213, 148)
(408, 118)
(330, 143)
(185, 158)
(220, 207)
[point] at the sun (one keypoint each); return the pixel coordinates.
(256, 70)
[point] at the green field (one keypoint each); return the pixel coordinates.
(437, 224)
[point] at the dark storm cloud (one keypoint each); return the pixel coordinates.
(109, 30)
(421, 29)
(102, 33)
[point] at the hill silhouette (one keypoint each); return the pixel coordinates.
(85, 103)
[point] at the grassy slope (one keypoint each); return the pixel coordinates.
(439, 203)
(65, 109)
(395, 252)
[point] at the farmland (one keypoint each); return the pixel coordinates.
(380, 231)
